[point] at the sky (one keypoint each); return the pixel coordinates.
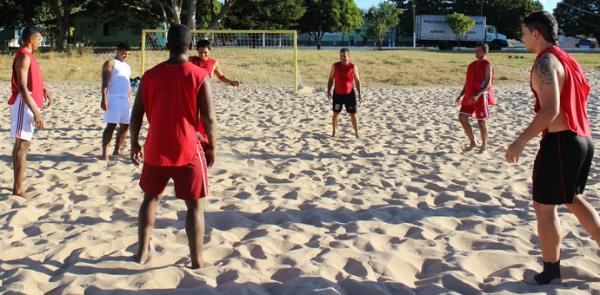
(363, 4)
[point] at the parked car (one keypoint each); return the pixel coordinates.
(585, 43)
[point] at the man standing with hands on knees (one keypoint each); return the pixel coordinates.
(565, 155)
(175, 96)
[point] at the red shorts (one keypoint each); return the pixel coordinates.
(480, 108)
(191, 180)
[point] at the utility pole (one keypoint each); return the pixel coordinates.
(414, 8)
(481, 11)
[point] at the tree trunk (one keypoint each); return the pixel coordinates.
(174, 7)
(62, 21)
(215, 22)
(191, 21)
(317, 36)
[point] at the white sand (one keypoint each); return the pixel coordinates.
(293, 211)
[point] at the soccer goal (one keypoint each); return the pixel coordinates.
(255, 57)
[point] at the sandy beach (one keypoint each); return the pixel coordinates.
(293, 211)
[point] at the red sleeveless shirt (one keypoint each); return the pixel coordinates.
(171, 108)
(344, 78)
(35, 81)
(475, 78)
(209, 64)
(574, 94)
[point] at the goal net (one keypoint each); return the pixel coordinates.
(255, 57)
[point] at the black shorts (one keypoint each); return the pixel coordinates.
(561, 167)
(347, 100)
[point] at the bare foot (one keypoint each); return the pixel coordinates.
(142, 258)
(356, 134)
(21, 194)
(198, 265)
(482, 150)
(333, 134)
(105, 156)
(469, 148)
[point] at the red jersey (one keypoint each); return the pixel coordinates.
(344, 77)
(475, 80)
(171, 108)
(574, 94)
(209, 64)
(35, 81)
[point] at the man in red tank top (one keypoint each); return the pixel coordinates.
(174, 107)
(210, 64)
(345, 75)
(478, 93)
(564, 159)
(27, 100)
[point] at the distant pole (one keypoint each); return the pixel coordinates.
(414, 6)
(481, 11)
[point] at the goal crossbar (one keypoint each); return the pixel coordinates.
(293, 33)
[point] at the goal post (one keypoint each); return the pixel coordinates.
(259, 56)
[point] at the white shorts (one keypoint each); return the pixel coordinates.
(119, 110)
(22, 123)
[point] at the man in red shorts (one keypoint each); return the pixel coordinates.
(174, 106)
(564, 159)
(478, 95)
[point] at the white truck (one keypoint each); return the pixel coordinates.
(433, 30)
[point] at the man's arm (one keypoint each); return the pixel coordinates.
(487, 83)
(22, 69)
(357, 83)
(224, 79)
(330, 82)
(106, 71)
(462, 92)
(546, 85)
(135, 125)
(207, 113)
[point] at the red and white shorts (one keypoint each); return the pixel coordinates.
(480, 108)
(190, 180)
(22, 123)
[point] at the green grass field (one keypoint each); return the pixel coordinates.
(271, 66)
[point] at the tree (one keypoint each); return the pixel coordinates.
(581, 17)
(380, 20)
(217, 18)
(265, 14)
(329, 16)
(18, 13)
(460, 24)
(61, 11)
(508, 15)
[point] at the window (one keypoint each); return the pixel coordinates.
(110, 29)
